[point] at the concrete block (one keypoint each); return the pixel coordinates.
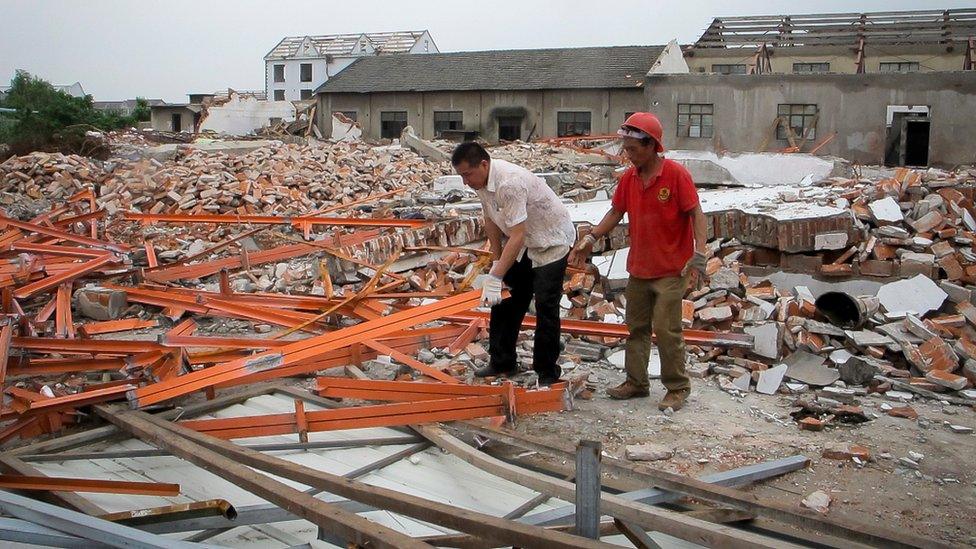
(770, 380)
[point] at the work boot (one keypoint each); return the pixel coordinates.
(674, 400)
(627, 390)
(492, 371)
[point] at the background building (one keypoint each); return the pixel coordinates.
(299, 64)
(508, 95)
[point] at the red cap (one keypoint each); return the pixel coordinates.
(647, 123)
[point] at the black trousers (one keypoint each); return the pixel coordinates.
(546, 285)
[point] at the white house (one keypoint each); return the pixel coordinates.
(299, 64)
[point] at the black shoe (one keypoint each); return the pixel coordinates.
(491, 371)
(546, 381)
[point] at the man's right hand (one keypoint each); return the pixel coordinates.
(580, 254)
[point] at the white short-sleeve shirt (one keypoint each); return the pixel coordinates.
(515, 195)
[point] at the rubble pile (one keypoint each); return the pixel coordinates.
(917, 336)
(276, 180)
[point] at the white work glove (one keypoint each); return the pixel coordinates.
(491, 291)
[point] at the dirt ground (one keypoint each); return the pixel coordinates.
(716, 431)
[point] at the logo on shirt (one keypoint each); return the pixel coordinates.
(664, 194)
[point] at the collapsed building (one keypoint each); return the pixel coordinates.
(271, 344)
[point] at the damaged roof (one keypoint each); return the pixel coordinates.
(346, 44)
(561, 68)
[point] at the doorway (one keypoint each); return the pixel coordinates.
(177, 120)
(907, 139)
(509, 128)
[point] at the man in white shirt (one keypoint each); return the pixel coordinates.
(521, 210)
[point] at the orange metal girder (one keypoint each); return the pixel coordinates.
(525, 401)
(345, 356)
(75, 400)
(301, 350)
(63, 235)
(63, 323)
(6, 334)
(466, 337)
(54, 366)
(122, 325)
(53, 249)
(351, 418)
(274, 220)
(410, 361)
(589, 327)
(80, 346)
(62, 484)
(150, 254)
(52, 281)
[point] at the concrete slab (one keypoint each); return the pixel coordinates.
(917, 295)
(809, 368)
(886, 210)
(770, 380)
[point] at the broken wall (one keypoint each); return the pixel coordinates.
(243, 114)
(853, 105)
(607, 109)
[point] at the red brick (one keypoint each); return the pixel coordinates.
(952, 267)
(906, 412)
(847, 451)
(811, 424)
(945, 379)
(937, 355)
(874, 267)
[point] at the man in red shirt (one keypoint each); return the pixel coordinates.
(667, 250)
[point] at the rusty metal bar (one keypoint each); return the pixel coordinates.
(407, 360)
(61, 484)
(122, 325)
(52, 281)
(604, 329)
(146, 218)
(301, 350)
(168, 513)
(120, 248)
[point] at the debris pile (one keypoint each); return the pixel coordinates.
(276, 180)
(915, 337)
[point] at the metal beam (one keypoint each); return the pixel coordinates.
(652, 496)
(22, 531)
(84, 526)
(487, 527)
(348, 526)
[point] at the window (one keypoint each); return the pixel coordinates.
(570, 123)
(695, 119)
(509, 128)
(447, 120)
(900, 66)
(802, 119)
(306, 94)
(279, 95)
(351, 115)
(306, 72)
(811, 67)
(279, 73)
(392, 124)
(729, 69)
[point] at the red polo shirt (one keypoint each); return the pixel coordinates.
(659, 220)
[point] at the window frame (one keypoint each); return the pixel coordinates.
(305, 94)
(807, 112)
(716, 70)
(579, 117)
(274, 70)
(824, 67)
(276, 93)
(912, 66)
(448, 121)
(385, 119)
(688, 113)
(301, 74)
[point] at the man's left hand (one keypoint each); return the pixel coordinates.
(695, 269)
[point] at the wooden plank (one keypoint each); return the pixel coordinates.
(486, 527)
(348, 526)
(651, 518)
(833, 526)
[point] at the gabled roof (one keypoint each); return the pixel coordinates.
(346, 44)
(562, 68)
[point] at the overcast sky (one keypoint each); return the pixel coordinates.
(166, 49)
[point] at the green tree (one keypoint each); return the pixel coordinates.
(46, 118)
